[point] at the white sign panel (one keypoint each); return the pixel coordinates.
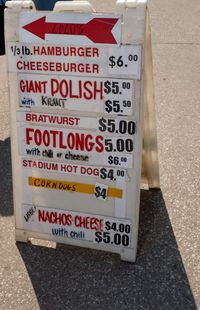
(61, 120)
(76, 107)
(117, 62)
(82, 226)
(103, 173)
(109, 126)
(81, 145)
(70, 28)
(111, 96)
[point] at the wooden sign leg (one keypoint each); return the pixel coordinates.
(150, 166)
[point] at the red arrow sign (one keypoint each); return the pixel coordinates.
(97, 30)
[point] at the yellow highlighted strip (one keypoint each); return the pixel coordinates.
(72, 187)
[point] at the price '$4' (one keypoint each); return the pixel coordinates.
(100, 191)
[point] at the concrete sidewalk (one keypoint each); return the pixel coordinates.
(166, 274)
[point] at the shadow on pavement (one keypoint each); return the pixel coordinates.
(74, 278)
(6, 202)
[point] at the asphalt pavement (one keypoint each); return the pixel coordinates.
(166, 274)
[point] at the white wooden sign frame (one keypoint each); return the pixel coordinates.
(103, 213)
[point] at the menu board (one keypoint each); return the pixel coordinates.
(76, 127)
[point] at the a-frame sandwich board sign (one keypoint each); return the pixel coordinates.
(79, 105)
